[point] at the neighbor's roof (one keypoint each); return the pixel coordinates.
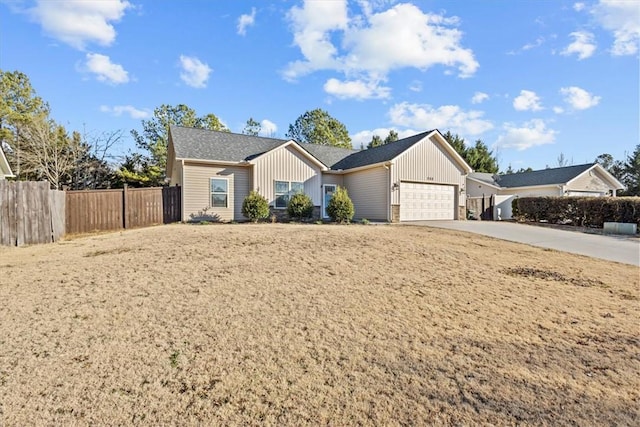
(487, 178)
(383, 153)
(542, 177)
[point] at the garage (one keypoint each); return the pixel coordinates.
(421, 202)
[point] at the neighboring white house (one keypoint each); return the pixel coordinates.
(5, 170)
(589, 179)
(416, 178)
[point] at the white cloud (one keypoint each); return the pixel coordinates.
(446, 117)
(530, 134)
(133, 112)
(622, 18)
(267, 127)
(582, 45)
(79, 22)
(479, 97)
(356, 89)
(194, 73)
(558, 110)
(105, 70)
(363, 138)
(578, 7)
(527, 101)
(367, 47)
(415, 86)
(246, 21)
(578, 98)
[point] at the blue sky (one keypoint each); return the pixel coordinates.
(531, 79)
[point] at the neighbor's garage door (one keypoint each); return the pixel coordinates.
(420, 202)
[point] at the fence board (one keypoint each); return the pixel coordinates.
(27, 212)
(94, 210)
(58, 205)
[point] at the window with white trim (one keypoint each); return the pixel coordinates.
(219, 192)
(284, 190)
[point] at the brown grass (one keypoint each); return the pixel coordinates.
(308, 324)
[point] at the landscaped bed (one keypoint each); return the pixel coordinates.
(314, 324)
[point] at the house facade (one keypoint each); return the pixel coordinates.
(5, 170)
(587, 180)
(415, 178)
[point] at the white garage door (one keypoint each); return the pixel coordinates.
(419, 202)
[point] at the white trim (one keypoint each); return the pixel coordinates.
(323, 208)
(275, 193)
(4, 165)
(211, 192)
(213, 162)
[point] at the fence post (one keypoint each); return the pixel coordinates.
(124, 207)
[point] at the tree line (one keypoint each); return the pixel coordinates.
(38, 148)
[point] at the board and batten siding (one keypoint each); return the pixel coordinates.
(196, 192)
(369, 192)
(286, 164)
(428, 162)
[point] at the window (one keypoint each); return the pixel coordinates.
(219, 192)
(284, 190)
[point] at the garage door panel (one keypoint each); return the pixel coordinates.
(419, 202)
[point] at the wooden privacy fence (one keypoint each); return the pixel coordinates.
(30, 213)
(481, 207)
(98, 210)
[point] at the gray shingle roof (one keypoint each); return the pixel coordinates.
(487, 178)
(203, 144)
(379, 154)
(542, 177)
(328, 154)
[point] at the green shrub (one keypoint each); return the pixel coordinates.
(300, 206)
(365, 221)
(340, 207)
(255, 207)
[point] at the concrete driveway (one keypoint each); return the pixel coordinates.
(624, 249)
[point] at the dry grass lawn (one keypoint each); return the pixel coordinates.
(307, 324)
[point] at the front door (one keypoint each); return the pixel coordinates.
(327, 194)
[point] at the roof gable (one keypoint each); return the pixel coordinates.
(5, 169)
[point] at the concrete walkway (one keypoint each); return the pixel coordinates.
(624, 249)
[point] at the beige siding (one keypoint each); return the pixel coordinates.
(286, 164)
(475, 189)
(590, 181)
(552, 190)
(332, 179)
(196, 198)
(427, 162)
(369, 191)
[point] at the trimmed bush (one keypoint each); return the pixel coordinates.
(340, 207)
(255, 207)
(300, 206)
(579, 211)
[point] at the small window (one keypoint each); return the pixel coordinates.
(284, 190)
(219, 192)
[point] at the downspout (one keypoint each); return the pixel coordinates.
(389, 190)
(182, 190)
